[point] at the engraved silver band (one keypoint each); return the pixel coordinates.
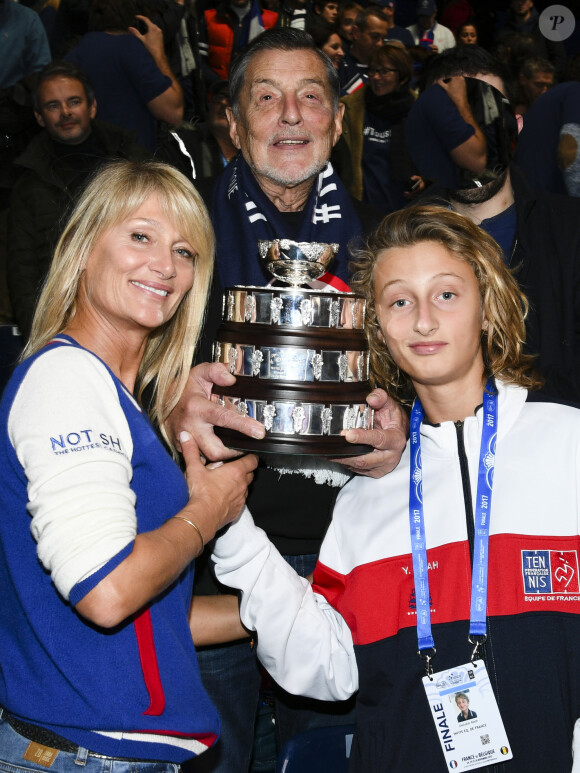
(293, 363)
(296, 308)
(288, 417)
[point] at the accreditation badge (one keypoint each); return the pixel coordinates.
(467, 718)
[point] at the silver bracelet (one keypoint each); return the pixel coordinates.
(191, 523)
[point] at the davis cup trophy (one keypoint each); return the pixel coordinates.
(299, 355)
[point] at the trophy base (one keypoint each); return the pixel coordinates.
(299, 418)
(331, 447)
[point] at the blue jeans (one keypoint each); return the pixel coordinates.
(232, 678)
(13, 747)
(295, 714)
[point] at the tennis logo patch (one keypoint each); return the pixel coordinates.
(550, 571)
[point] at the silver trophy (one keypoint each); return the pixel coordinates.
(296, 263)
(299, 355)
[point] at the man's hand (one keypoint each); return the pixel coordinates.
(457, 91)
(197, 413)
(388, 438)
(471, 154)
(167, 106)
(152, 39)
(416, 186)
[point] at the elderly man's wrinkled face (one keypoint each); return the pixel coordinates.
(286, 124)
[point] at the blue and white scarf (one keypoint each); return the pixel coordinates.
(242, 214)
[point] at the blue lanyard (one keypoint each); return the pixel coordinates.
(479, 577)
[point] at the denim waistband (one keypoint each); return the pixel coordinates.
(45, 737)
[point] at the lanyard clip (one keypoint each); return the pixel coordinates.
(477, 641)
(427, 655)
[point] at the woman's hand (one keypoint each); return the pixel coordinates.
(217, 496)
(197, 414)
(218, 491)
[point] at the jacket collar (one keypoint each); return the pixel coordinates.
(441, 439)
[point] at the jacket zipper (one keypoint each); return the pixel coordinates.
(513, 252)
(464, 467)
(469, 519)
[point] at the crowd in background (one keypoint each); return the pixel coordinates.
(158, 69)
(83, 81)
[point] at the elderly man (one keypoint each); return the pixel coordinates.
(285, 119)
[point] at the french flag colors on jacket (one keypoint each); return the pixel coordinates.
(355, 629)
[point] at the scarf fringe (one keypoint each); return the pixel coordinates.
(322, 471)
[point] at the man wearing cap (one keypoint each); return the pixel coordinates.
(427, 31)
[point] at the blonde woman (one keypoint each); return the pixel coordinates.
(99, 527)
(406, 555)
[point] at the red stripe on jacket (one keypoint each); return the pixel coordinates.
(377, 599)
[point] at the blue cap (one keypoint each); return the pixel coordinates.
(425, 8)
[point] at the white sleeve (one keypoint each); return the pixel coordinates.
(302, 641)
(72, 439)
(448, 40)
(413, 29)
(576, 748)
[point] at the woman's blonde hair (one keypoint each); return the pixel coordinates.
(503, 303)
(114, 193)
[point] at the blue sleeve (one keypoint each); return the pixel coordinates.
(37, 51)
(147, 79)
(432, 130)
(444, 119)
